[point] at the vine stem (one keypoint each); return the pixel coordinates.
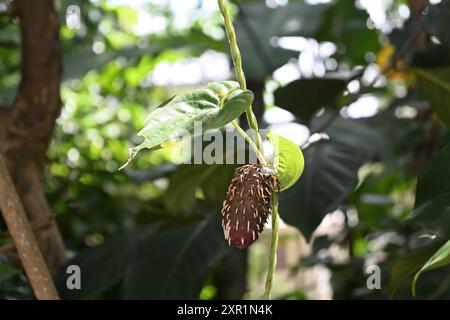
(250, 142)
(240, 76)
(273, 248)
(258, 147)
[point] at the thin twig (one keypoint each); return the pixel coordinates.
(250, 142)
(37, 225)
(24, 240)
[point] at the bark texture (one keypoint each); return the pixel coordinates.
(26, 128)
(24, 239)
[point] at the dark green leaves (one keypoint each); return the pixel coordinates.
(260, 56)
(434, 215)
(432, 208)
(406, 266)
(288, 161)
(212, 108)
(175, 264)
(304, 97)
(184, 182)
(435, 85)
(330, 175)
(150, 263)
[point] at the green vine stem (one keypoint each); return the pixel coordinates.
(273, 247)
(258, 147)
(240, 76)
(260, 156)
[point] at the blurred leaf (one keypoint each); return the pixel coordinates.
(151, 265)
(6, 271)
(434, 181)
(357, 133)
(176, 263)
(432, 207)
(102, 266)
(184, 182)
(79, 62)
(216, 187)
(288, 161)
(439, 259)
(141, 176)
(437, 22)
(406, 266)
(346, 25)
(260, 56)
(212, 107)
(434, 215)
(435, 85)
(330, 175)
(304, 97)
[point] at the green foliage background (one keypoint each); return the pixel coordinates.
(153, 230)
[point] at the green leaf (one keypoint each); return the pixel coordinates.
(215, 189)
(215, 106)
(434, 181)
(259, 54)
(406, 266)
(150, 263)
(304, 97)
(356, 133)
(439, 259)
(103, 266)
(175, 264)
(435, 85)
(288, 161)
(432, 207)
(7, 272)
(330, 174)
(183, 184)
(434, 215)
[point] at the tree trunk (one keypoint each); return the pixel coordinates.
(26, 128)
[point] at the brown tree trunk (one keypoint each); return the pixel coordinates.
(26, 128)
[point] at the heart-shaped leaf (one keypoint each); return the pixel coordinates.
(330, 175)
(304, 97)
(288, 161)
(212, 107)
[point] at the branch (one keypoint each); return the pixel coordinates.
(24, 240)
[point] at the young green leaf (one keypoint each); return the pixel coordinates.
(288, 161)
(215, 106)
(439, 259)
